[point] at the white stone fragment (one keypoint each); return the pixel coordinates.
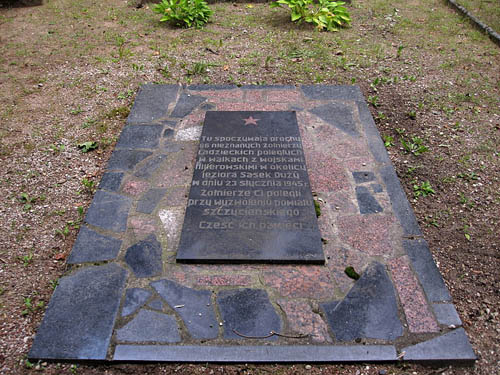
(189, 134)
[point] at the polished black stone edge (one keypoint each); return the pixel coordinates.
(263, 353)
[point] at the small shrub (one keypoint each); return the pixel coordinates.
(184, 13)
(324, 14)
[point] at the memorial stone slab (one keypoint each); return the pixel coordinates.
(250, 197)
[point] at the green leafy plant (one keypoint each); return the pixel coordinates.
(87, 146)
(388, 141)
(323, 14)
(414, 146)
(184, 13)
(349, 271)
(317, 208)
(422, 190)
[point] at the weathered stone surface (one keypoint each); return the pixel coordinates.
(411, 295)
(186, 104)
(142, 226)
(224, 280)
(330, 92)
(338, 115)
(195, 307)
(303, 320)
(151, 103)
(363, 176)
(135, 298)
(139, 136)
(156, 304)
(91, 246)
(426, 270)
(446, 314)
(109, 211)
(273, 219)
(377, 188)
(144, 258)
(135, 187)
(168, 133)
(126, 160)
(79, 319)
(327, 174)
(247, 312)
(150, 326)
(111, 181)
(369, 310)
(150, 200)
(451, 346)
(366, 202)
(150, 166)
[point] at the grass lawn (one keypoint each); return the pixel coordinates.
(69, 72)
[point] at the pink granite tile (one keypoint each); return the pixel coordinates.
(300, 281)
(142, 226)
(135, 187)
(222, 94)
(193, 119)
(227, 106)
(339, 258)
(417, 311)
(179, 171)
(286, 96)
(224, 280)
(177, 196)
(255, 96)
(304, 321)
(326, 173)
(367, 233)
(342, 202)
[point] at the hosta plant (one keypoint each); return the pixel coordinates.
(323, 14)
(184, 13)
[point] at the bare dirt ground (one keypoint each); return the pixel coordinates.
(69, 71)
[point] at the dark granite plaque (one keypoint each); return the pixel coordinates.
(250, 198)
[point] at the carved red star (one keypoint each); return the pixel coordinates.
(251, 121)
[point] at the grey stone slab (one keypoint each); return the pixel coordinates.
(326, 92)
(79, 319)
(139, 136)
(126, 160)
(150, 200)
(399, 203)
(135, 298)
(150, 326)
(452, 346)
(202, 87)
(253, 354)
(197, 311)
(208, 106)
(268, 87)
(361, 177)
(186, 104)
(111, 181)
(109, 211)
(91, 246)
(446, 314)
(366, 202)
(144, 258)
(156, 304)
(369, 310)
(170, 123)
(428, 274)
(150, 166)
(247, 312)
(254, 207)
(338, 115)
(377, 188)
(172, 146)
(151, 103)
(375, 143)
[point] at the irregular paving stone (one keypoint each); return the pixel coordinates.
(91, 246)
(171, 123)
(369, 234)
(171, 220)
(109, 211)
(149, 201)
(150, 326)
(366, 202)
(426, 270)
(79, 319)
(186, 104)
(330, 92)
(135, 298)
(197, 311)
(283, 96)
(303, 320)
(446, 314)
(177, 196)
(249, 312)
(172, 146)
(150, 166)
(256, 353)
(339, 258)
(111, 181)
(190, 134)
(300, 281)
(135, 187)
(152, 103)
(338, 115)
(139, 136)
(363, 176)
(142, 226)
(126, 160)
(326, 174)
(209, 88)
(450, 346)
(369, 310)
(230, 106)
(418, 314)
(224, 280)
(144, 258)
(156, 304)
(377, 188)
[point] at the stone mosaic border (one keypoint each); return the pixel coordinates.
(80, 322)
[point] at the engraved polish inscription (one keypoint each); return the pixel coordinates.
(250, 198)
